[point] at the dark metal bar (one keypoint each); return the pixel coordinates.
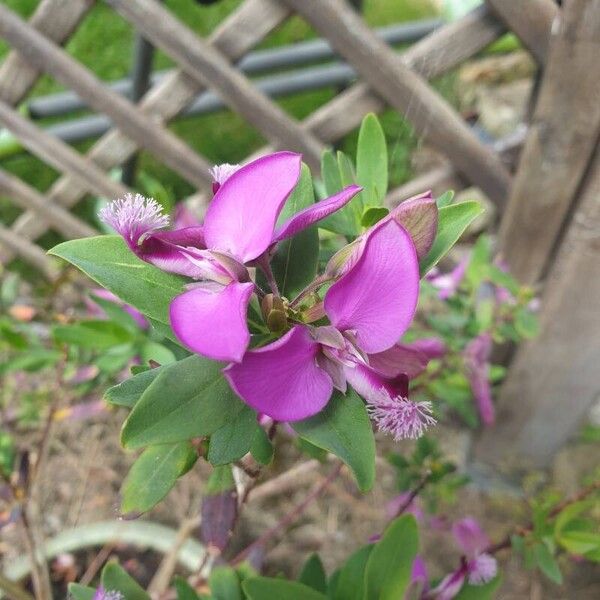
(260, 61)
(140, 83)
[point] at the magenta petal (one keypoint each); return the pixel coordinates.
(470, 536)
(186, 236)
(400, 358)
(419, 216)
(213, 323)
(368, 383)
(283, 380)
(168, 257)
(241, 218)
(378, 297)
(311, 214)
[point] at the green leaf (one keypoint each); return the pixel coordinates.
(341, 221)
(526, 323)
(116, 313)
(313, 574)
(372, 215)
(156, 352)
(81, 592)
(153, 475)
(372, 161)
(487, 591)
(261, 448)
(188, 399)
(387, 574)
(129, 391)
(110, 263)
(452, 222)
(220, 480)
(351, 581)
(92, 334)
(184, 590)
(224, 584)
(331, 173)
(579, 542)
(234, 439)
(295, 261)
(344, 429)
(114, 578)
(546, 562)
(445, 199)
(267, 588)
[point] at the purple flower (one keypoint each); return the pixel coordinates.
(447, 284)
(102, 594)
(400, 417)
(239, 229)
(369, 308)
(419, 216)
(476, 357)
(476, 566)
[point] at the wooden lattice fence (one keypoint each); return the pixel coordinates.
(538, 205)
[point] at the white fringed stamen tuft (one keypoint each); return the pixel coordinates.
(400, 417)
(134, 216)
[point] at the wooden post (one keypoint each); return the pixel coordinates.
(530, 20)
(561, 139)
(555, 379)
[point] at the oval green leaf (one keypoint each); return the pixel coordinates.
(344, 429)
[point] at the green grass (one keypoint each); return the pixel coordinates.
(104, 41)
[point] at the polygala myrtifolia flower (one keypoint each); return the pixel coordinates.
(371, 301)
(477, 567)
(239, 229)
(369, 308)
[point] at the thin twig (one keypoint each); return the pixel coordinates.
(581, 495)
(165, 571)
(290, 517)
(97, 563)
(413, 494)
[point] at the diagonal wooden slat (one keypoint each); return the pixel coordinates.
(408, 93)
(50, 58)
(563, 135)
(234, 37)
(30, 199)
(434, 55)
(58, 154)
(208, 66)
(31, 253)
(57, 20)
(530, 20)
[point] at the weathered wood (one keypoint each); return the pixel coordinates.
(562, 136)
(554, 379)
(445, 176)
(235, 36)
(57, 20)
(408, 93)
(29, 252)
(30, 199)
(435, 54)
(58, 154)
(45, 55)
(530, 20)
(209, 67)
